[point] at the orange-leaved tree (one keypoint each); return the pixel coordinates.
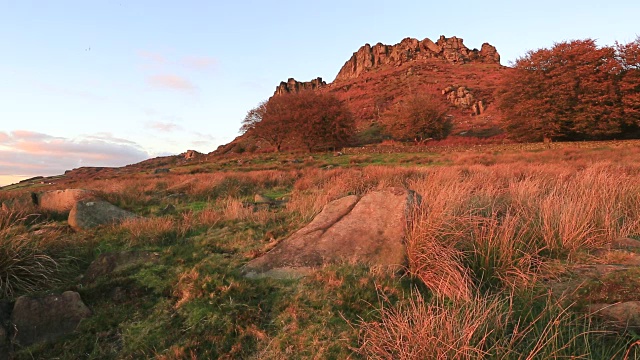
(629, 57)
(306, 119)
(418, 118)
(570, 91)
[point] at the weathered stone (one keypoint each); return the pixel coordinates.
(368, 229)
(62, 201)
(451, 50)
(621, 315)
(88, 214)
(261, 199)
(625, 243)
(191, 155)
(161, 171)
(47, 319)
(293, 86)
(109, 263)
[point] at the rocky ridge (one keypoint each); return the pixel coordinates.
(452, 50)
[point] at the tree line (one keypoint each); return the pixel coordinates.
(574, 90)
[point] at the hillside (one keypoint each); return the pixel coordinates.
(375, 78)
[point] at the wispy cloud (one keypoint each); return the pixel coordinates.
(153, 57)
(201, 63)
(163, 126)
(30, 153)
(171, 81)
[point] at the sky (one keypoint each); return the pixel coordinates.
(110, 83)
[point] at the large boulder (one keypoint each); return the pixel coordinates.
(109, 263)
(45, 319)
(368, 229)
(88, 214)
(62, 201)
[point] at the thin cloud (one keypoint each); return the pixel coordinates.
(163, 126)
(201, 63)
(153, 57)
(29, 153)
(170, 81)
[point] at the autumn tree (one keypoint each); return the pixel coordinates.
(307, 119)
(253, 117)
(629, 58)
(419, 118)
(570, 91)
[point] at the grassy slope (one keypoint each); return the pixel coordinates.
(497, 217)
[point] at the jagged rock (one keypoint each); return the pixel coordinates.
(191, 155)
(46, 319)
(109, 263)
(451, 50)
(294, 86)
(88, 214)
(621, 315)
(368, 229)
(462, 97)
(62, 201)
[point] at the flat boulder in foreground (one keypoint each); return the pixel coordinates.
(89, 214)
(368, 229)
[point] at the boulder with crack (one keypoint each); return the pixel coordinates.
(368, 229)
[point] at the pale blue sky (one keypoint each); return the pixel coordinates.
(95, 83)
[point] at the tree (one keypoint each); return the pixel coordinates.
(419, 118)
(321, 121)
(570, 91)
(253, 117)
(307, 119)
(629, 58)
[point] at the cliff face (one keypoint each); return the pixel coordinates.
(451, 50)
(293, 86)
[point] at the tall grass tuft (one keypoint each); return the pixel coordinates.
(24, 268)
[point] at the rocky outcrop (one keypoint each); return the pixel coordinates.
(368, 229)
(293, 86)
(191, 155)
(450, 49)
(47, 319)
(89, 214)
(61, 201)
(462, 97)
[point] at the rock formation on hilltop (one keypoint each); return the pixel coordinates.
(294, 86)
(450, 49)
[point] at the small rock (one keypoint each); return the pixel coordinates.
(261, 199)
(161, 171)
(623, 315)
(47, 319)
(623, 243)
(89, 214)
(109, 263)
